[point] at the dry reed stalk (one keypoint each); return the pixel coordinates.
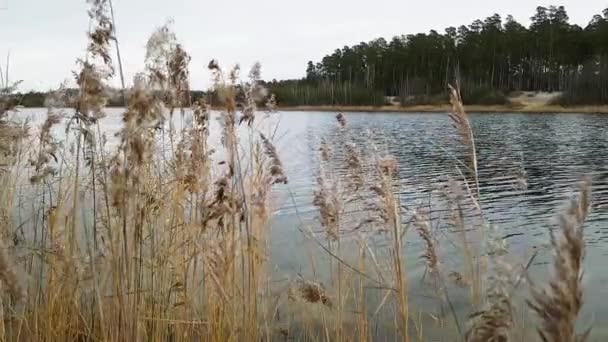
(129, 176)
(325, 151)
(492, 324)
(101, 36)
(47, 149)
(178, 78)
(389, 209)
(423, 226)
(276, 168)
(363, 324)
(559, 304)
(473, 274)
(159, 51)
(253, 94)
(495, 321)
(136, 149)
(9, 277)
(93, 93)
(11, 133)
(353, 166)
(463, 126)
(326, 200)
(422, 223)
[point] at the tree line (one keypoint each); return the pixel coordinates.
(489, 58)
(37, 99)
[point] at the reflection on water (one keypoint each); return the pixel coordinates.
(548, 152)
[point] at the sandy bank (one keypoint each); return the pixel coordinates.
(445, 108)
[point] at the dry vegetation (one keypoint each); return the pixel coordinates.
(164, 238)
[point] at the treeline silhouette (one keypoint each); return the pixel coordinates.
(490, 58)
(37, 99)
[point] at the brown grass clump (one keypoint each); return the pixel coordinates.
(559, 304)
(341, 119)
(313, 292)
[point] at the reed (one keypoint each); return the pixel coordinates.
(559, 304)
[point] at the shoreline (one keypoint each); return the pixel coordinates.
(602, 109)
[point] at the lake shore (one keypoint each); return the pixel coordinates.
(446, 108)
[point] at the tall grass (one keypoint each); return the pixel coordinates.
(164, 237)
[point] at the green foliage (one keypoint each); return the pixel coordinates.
(32, 99)
(292, 93)
(483, 95)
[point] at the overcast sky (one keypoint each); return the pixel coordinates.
(45, 37)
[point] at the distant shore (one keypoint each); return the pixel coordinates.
(446, 108)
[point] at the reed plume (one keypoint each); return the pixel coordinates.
(559, 304)
(423, 227)
(462, 124)
(11, 132)
(143, 114)
(9, 276)
(178, 75)
(493, 323)
(341, 119)
(47, 149)
(495, 319)
(96, 68)
(325, 198)
(160, 49)
(101, 36)
(276, 168)
(325, 151)
(254, 93)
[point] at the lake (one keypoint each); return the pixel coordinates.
(555, 150)
(529, 166)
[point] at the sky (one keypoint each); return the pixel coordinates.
(45, 37)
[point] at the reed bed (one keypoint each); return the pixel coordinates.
(164, 237)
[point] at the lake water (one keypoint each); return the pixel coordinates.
(553, 151)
